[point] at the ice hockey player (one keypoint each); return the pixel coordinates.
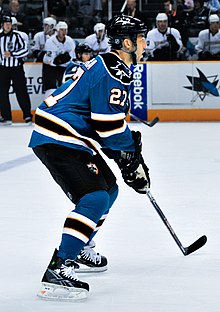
(163, 42)
(84, 115)
(40, 38)
(98, 41)
(83, 54)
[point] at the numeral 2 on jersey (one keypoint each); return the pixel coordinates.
(53, 99)
(118, 96)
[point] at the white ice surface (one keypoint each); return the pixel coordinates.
(147, 271)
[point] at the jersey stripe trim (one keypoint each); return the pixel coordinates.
(105, 126)
(78, 226)
(82, 218)
(76, 234)
(105, 134)
(103, 117)
(58, 129)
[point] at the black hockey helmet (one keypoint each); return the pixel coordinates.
(80, 49)
(123, 26)
(83, 48)
(6, 19)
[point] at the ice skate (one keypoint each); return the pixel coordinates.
(90, 261)
(61, 283)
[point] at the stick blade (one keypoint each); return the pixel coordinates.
(153, 122)
(196, 245)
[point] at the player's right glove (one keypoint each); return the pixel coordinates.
(134, 171)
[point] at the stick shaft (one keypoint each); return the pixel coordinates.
(165, 221)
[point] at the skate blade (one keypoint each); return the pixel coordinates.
(61, 293)
(86, 269)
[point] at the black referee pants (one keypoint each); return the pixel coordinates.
(17, 76)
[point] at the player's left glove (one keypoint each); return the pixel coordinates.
(62, 58)
(133, 168)
(136, 175)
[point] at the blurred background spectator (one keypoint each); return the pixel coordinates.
(83, 15)
(15, 9)
(1, 7)
(199, 18)
(212, 5)
(132, 10)
(58, 8)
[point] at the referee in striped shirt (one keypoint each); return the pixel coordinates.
(12, 50)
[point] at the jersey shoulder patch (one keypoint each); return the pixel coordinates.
(117, 68)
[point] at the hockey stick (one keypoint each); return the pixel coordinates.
(185, 250)
(149, 124)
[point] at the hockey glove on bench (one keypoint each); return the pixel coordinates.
(62, 58)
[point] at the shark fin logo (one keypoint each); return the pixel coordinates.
(203, 86)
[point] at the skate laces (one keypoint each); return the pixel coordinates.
(89, 254)
(67, 270)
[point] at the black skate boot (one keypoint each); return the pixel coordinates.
(61, 283)
(90, 261)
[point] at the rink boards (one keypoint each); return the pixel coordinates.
(173, 91)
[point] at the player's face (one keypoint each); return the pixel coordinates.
(167, 6)
(162, 25)
(62, 33)
(86, 56)
(141, 46)
(100, 34)
(46, 28)
(214, 27)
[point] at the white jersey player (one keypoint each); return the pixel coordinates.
(98, 41)
(40, 38)
(208, 46)
(60, 49)
(163, 42)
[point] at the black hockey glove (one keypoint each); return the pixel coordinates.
(205, 55)
(134, 171)
(172, 41)
(39, 55)
(136, 175)
(62, 58)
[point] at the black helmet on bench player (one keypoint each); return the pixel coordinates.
(83, 48)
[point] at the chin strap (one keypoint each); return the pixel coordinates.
(134, 58)
(133, 55)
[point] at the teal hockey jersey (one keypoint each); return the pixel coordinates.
(88, 111)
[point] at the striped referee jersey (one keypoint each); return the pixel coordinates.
(15, 44)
